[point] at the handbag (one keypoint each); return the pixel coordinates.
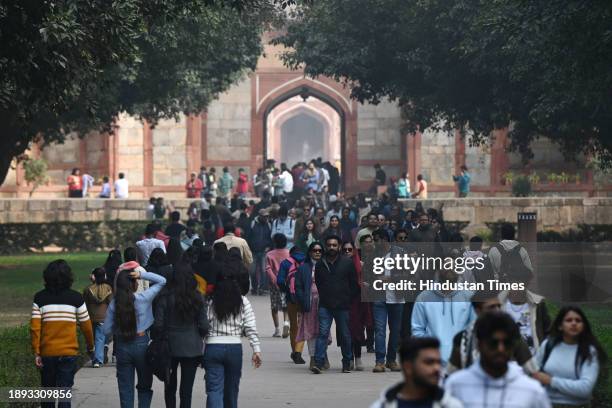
(158, 355)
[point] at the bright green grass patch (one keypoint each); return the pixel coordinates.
(21, 277)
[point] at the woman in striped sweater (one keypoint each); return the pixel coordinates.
(229, 314)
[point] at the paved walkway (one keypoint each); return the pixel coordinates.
(277, 383)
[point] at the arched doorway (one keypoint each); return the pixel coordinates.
(307, 90)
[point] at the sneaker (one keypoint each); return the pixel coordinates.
(326, 365)
(346, 368)
(297, 358)
(393, 366)
(96, 365)
(277, 333)
(105, 354)
(358, 364)
(316, 369)
(379, 368)
(285, 330)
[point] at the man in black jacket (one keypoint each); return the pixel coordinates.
(336, 281)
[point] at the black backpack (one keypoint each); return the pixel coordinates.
(511, 266)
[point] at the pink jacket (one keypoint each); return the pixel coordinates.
(273, 261)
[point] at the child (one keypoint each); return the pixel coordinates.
(97, 297)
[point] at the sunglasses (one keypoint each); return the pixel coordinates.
(347, 249)
(494, 343)
(317, 251)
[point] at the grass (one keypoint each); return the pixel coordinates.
(21, 278)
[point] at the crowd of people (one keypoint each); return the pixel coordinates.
(309, 249)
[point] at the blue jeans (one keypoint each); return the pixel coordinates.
(131, 357)
(100, 341)
(325, 321)
(58, 372)
(223, 365)
(392, 314)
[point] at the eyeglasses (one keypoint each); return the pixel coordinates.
(317, 251)
(494, 343)
(347, 249)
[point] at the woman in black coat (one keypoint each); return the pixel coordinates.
(181, 314)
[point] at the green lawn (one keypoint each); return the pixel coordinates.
(21, 277)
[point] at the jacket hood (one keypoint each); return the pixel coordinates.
(99, 293)
(508, 244)
(513, 373)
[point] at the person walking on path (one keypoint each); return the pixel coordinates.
(260, 242)
(97, 296)
(307, 296)
(494, 381)
(463, 181)
(337, 286)
(229, 315)
(570, 360)
(232, 241)
(422, 369)
(278, 302)
(181, 314)
(129, 317)
(56, 311)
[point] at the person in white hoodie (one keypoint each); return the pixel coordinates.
(495, 381)
(442, 314)
(422, 369)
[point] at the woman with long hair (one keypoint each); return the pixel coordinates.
(360, 315)
(113, 260)
(234, 268)
(158, 263)
(181, 314)
(175, 251)
(403, 186)
(570, 360)
(130, 256)
(129, 317)
(229, 315)
(308, 235)
(307, 297)
(97, 297)
(207, 269)
(334, 229)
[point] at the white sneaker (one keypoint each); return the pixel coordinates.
(277, 332)
(96, 365)
(286, 330)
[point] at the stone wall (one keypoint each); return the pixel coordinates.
(129, 155)
(437, 157)
(169, 155)
(378, 137)
(229, 124)
(553, 213)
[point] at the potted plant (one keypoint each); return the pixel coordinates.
(507, 178)
(521, 186)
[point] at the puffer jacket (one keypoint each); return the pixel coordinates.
(97, 298)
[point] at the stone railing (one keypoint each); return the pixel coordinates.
(554, 213)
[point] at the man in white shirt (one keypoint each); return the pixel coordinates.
(148, 244)
(88, 182)
(287, 179)
(106, 188)
(121, 187)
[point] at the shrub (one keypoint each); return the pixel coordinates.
(70, 236)
(521, 186)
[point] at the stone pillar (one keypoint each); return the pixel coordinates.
(147, 158)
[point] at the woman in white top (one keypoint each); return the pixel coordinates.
(229, 314)
(570, 360)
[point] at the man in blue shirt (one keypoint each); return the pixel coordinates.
(463, 181)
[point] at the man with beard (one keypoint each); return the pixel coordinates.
(422, 368)
(494, 381)
(335, 277)
(371, 226)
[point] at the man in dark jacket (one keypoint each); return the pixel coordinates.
(260, 242)
(335, 277)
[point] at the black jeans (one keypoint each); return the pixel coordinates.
(189, 366)
(58, 372)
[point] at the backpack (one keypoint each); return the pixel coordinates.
(286, 278)
(511, 266)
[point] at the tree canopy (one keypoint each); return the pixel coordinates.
(541, 68)
(73, 65)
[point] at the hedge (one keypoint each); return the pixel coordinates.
(70, 236)
(17, 367)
